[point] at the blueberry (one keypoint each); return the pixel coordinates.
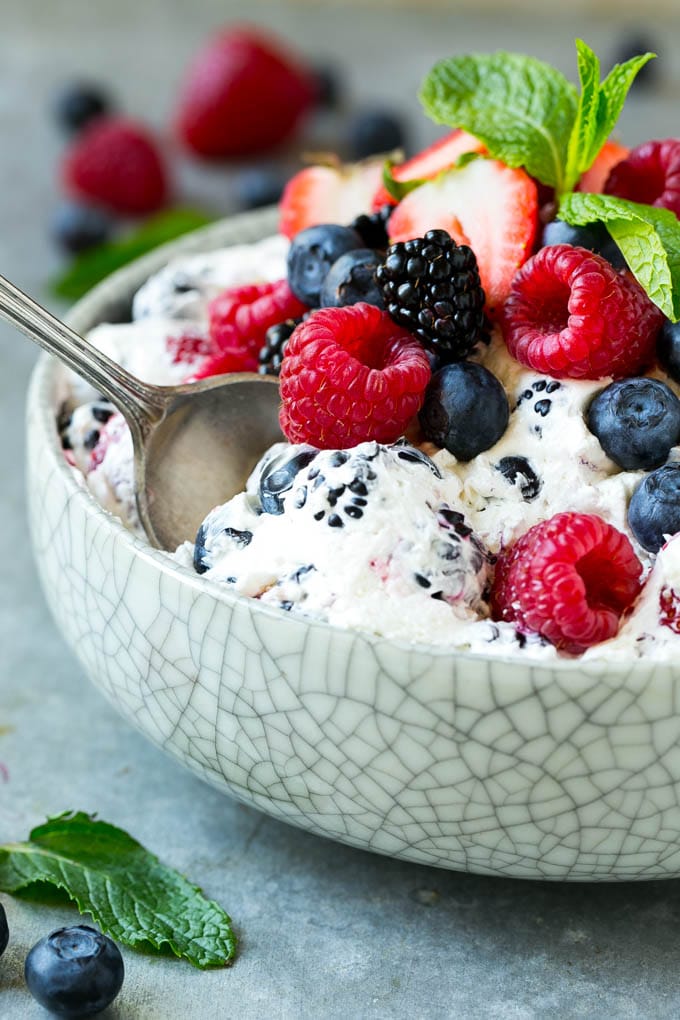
(74, 972)
(76, 228)
(637, 422)
(654, 509)
(78, 103)
(595, 237)
(312, 253)
(278, 474)
(668, 348)
(373, 131)
(328, 87)
(351, 278)
(465, 410)
(259, 186)
(4, 930)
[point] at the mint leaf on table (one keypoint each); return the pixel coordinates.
(521, 108)
(648, 236)
(91, 266)
(129, 893)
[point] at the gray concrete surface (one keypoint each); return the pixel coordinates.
(325, 931)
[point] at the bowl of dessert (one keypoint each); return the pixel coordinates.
(442, 619)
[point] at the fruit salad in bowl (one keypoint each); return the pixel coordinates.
(441, 620)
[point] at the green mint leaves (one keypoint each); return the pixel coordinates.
(129, 893)
(649, 239)
(527, 113)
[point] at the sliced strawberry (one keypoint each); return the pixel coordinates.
(485, 204)
(427, 164)
(594, 179)
(328, 194)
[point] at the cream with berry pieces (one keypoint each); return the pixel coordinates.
(352, 377)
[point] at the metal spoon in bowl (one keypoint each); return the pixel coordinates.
(194, 445)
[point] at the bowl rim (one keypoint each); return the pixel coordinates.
(41, 414)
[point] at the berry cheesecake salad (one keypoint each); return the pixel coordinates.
(478, 354)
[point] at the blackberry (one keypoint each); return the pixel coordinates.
(275, 340)
(372, 228)
(431, 286)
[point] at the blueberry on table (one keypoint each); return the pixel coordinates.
(373, 131)
(78, 103)
(637, 422)
(351, 278)
(4, 930)
(328, 83)
(312, 253)
(594, 237)
(465, 410)
(76, 227)
(74, 972)
(654, 509)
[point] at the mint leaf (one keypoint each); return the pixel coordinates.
(580, 155)
(649, 238)
(613, 92)
(398, 189)
(521, 108)
(129, 893)
(93, 265)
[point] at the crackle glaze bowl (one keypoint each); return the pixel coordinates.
(474, 763)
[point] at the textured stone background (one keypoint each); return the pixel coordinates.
(326, 931)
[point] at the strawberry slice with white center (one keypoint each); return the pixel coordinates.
(328, 194)
(485, 204)
(426, 165)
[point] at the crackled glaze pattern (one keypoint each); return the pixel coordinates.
(457, 761)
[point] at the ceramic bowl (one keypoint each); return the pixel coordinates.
(560, 771)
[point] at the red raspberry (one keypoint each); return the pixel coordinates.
(231, 359)
(240, 316)
(189, 347)
(571, 315)
(116, 163)
(650, 174)
(350, 375)
(569, 579)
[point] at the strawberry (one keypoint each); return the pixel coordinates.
(116, 163)
(594, 179)
(242, 94)
(328, 194)
(484, 204)
(431, 161)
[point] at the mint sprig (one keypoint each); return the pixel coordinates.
(129, 893)
(649, 239)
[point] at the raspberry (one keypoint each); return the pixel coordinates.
(669, 609)
(350, 375)
(571, 315)
(240, 317)
(115, 162)
(650, 174)
(569, 579)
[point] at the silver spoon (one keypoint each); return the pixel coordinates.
(194, 445)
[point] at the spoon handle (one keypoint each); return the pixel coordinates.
(141, 403)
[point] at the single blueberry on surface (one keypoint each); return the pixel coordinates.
(654, 508)
(75, 227)
(594, 237)
(329, 88)
(78, 103)
(351, 278)
(74, 972)
(465, 409)
(374, 131)
(637, 422)
(312, 253)
(668, 348)
(4, 930)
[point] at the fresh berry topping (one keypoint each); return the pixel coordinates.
(372, 227)
(568, 579)
(669, 609)
(349, 375)
(650, 174)
(329, 88)
(4, 930)
(77, 227)
(276, 473)
(79, 103)
(259, 186)
(594, 179)
(273, 349)
(465, 409)
(189, 346)
(370, 132)
(654, 508)
(312, 253)
(571, 315)
(637, 422)
(75, 971)
(668, 348)
(116, 162)
(352, 278)
(240, 316)
(594, 237)
(327, 194)
(429, 163)
(243, 94)
(431, 286)
(483, 204)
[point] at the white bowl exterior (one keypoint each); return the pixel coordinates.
(467, 762)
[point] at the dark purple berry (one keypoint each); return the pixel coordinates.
(74, 972)
(76, 228)
(465, 409)
(78, 103)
